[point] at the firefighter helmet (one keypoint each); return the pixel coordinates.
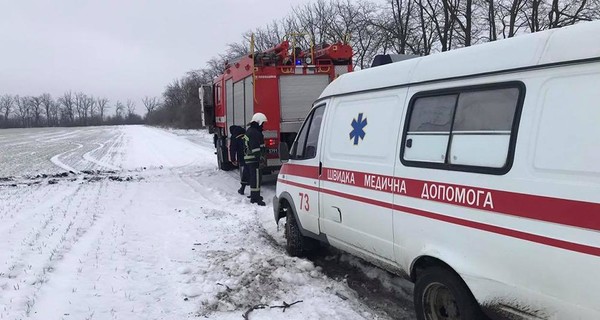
(259, 118)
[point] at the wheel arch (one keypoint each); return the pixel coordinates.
(426, 261)
(286, 199)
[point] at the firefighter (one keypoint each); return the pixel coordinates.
(254, 155)
(236, 154)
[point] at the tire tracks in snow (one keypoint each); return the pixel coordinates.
(56, 159)
(88, 157)
(388, 295)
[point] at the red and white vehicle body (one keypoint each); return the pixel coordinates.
(483, 162)
(281, 83)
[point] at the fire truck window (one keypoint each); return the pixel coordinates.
(429, 129)
(482, 127)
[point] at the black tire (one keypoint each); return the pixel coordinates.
(297, 245)
(440, 294)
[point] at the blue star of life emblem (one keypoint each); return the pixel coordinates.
(358, 126)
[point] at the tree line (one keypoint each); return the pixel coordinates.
(371, 27)
(416, 27)
(70, 109)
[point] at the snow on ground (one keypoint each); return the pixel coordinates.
(137, 223)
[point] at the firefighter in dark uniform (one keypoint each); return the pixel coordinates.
(254, 155)
(236, 154)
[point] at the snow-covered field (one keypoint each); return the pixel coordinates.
(137, 223)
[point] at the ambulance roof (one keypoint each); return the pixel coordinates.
(581, 41)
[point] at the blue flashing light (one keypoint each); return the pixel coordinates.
(298, 62)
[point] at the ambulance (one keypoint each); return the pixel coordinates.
(475, 173)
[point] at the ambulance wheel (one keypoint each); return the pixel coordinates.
(297, 245)
(441, 294)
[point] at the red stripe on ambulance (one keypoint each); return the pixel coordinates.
(555, 210)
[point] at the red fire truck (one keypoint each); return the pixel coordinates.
(281, 82)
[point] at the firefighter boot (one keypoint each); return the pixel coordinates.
(242, 188)
(256, 198)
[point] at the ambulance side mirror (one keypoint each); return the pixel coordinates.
(284, 152)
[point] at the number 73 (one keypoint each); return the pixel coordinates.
(304, 202)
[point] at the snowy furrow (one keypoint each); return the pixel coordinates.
(148, 228)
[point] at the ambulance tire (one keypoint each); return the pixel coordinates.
(435, 288)
(297, 245)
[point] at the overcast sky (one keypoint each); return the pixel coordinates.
(119, 49)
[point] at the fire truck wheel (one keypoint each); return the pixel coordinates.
(441, 294)
(297, 245)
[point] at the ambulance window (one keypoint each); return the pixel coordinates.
(482, 127)
(432, 114)
(466, 129)
(298, 146)
(429, 129)
(313, 133)
(490, 110)
(308, 137)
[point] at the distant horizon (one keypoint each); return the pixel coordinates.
(119, 50)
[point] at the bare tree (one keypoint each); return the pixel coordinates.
(462, 14)
(150, 103)
(119, 109)
(36, 109)
(439, 14)
(47, 103)
(513, 13)
(68, 103)
(314, 20)
(369, 37)
(130, 108)
(402, 14)
(23, 110)
(269, 36)
(102, 105)
(54, 112)
(566, 12)
(426, 26)
(491, 19)
(93, 107)
(80, 106)
(83, 104)
(6, 107)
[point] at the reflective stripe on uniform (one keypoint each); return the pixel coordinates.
(257, 179)
(256, 150)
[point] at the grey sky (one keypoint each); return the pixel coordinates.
(118, 49)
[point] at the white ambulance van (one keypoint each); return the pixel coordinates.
(475, 173)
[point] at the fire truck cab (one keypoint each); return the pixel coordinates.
(281, 82)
